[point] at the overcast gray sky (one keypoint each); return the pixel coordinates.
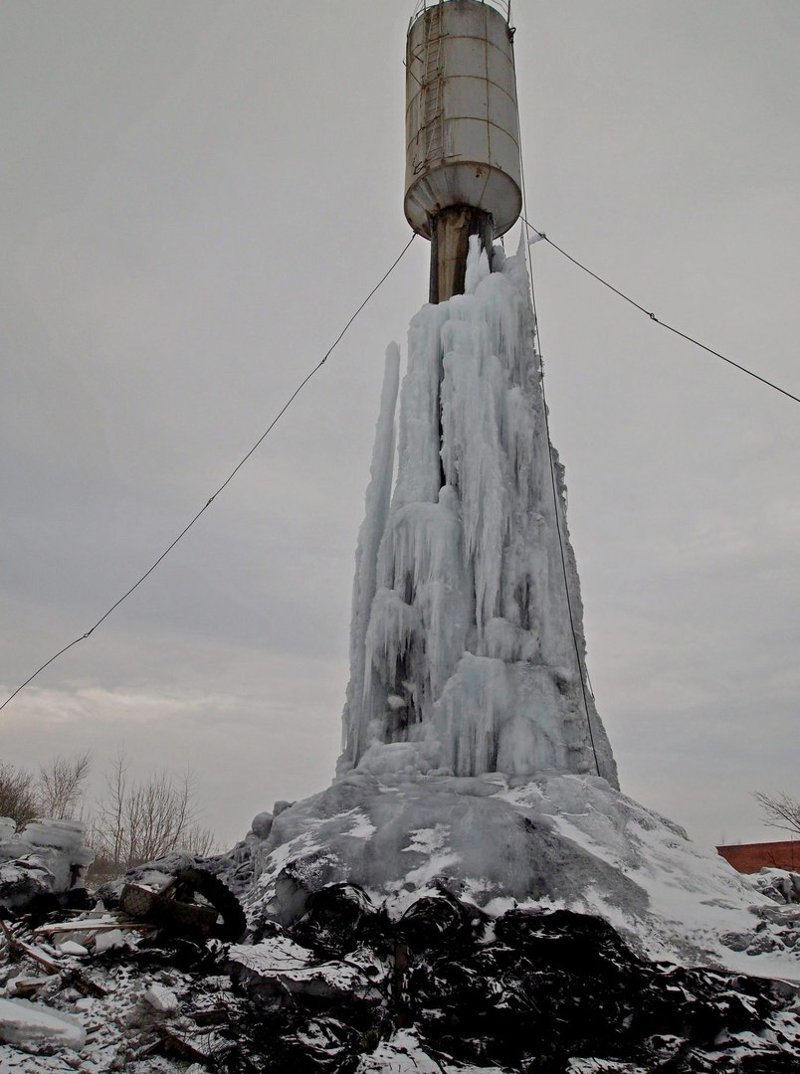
(196, 195)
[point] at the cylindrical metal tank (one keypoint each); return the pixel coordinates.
(462, 125)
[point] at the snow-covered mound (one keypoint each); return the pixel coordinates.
(44, 857)
(557, 841)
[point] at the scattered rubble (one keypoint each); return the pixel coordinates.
(42, 865)
(160, 972)
(779, 884)
(161, 999)
(426, 983)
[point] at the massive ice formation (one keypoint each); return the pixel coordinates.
(467, 648)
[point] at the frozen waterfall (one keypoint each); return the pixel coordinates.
(462, 654)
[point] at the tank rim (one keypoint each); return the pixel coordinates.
(502, 224)
(502, 7)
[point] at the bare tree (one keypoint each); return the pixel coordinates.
(108, 834)
(780, 811)
(60, 786)
(17, 794)
(140, 821)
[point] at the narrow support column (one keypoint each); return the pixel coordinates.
(450, 232)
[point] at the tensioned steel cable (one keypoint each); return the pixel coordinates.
(652, 316)
(557, 507)
(583, 672)
(227, 481)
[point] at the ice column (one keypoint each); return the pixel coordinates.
(462, 653)
(377, 499)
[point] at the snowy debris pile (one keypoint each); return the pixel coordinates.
(129, 1000)
(176, 896)
(129, 986)
(45, 858)
(526, 990)
(778, 930)
(421, 981)
(466, 654)
(780, 884)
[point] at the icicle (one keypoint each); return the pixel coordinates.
(369, 537)
(418, 468)
(477, 265)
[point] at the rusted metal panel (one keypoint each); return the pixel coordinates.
(451, 231)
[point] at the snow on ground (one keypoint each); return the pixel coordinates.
(22, 1022)
(403, 1054)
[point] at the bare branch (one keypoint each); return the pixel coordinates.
(137, 822)
(780, 811)
(60, 786)
(17, 794)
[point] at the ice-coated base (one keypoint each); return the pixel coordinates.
(557, 841)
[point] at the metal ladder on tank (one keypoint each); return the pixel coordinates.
(433, 89)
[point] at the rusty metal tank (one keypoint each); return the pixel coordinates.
(462, 123)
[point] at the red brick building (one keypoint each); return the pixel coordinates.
(750, 857)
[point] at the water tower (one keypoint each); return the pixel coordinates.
(462, 131)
